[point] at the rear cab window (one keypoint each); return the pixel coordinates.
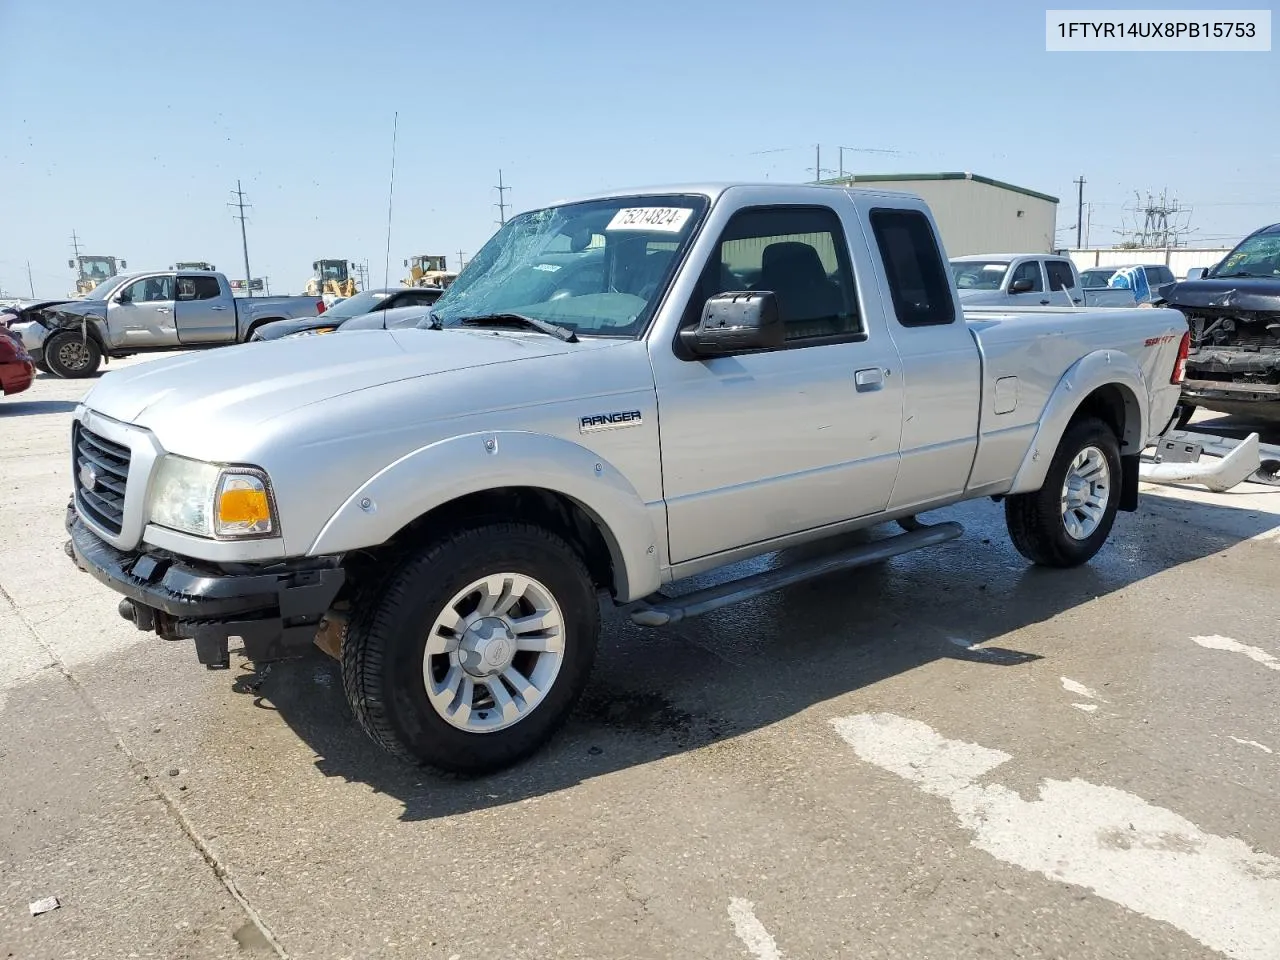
(918, 279)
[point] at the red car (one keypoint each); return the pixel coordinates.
(16, 369)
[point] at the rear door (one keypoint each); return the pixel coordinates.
(763, 444)
(205, 315)
(941, 373)
(1062, 283)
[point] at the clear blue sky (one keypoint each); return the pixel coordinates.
(129, 122)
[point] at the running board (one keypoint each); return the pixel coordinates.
(660, 611)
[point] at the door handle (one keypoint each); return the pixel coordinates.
(871, 378)
(1044, 303)
(163, 310)
(217, 308)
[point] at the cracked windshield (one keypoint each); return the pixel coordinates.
(596, 268)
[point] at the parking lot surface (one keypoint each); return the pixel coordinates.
(947, 755)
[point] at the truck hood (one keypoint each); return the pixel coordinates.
(83, 308)
(255, 382)
(1238, 293)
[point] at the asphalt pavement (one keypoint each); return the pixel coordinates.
(948, 755)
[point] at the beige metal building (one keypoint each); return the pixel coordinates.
(976, 214)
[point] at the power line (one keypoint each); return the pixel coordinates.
(244, 238)
(502, 200)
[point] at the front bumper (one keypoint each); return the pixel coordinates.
(274, 608)
(32, 335)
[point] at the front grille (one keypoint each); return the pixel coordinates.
(101, 472)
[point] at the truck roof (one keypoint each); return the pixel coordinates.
(977, 257)
(714, 190)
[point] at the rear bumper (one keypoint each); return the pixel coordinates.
(275, 609)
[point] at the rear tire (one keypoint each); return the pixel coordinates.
(438, 675)
(72, 357)
(1066, 521)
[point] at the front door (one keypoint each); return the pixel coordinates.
(1027, 270)
(760, 445)
(204, 314)
(142, 314)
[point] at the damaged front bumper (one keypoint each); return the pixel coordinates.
(274, 609)
(32, 334)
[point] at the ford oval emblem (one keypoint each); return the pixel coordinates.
(88, 476)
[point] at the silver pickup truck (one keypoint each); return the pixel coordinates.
(142, 312)
(616, 393)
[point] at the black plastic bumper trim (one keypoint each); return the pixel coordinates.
(274, 610)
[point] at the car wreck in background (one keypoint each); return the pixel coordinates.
(1234, 315)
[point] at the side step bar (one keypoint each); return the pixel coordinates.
(660, 611)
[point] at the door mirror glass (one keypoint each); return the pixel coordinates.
(1021, 286)
(736, 322)
(124, 297)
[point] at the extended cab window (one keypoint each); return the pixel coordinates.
(198, 288)
(1060, 277)
(917, 277)
(1028, 270)
(798, 254)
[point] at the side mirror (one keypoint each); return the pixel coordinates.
(1021, 286)
(71, 264)
(124, 264)
(123, 297)
(1195, 273)
(406, 263)
(736, 322)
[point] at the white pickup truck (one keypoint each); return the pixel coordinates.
(146, 312)
(616, 393)
(1019, 280)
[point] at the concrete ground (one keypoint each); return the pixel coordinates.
(950, 755)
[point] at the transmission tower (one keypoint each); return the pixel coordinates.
(1157, 222)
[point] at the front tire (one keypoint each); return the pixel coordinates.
(1066, 521)
(72, 357)
(476, 649)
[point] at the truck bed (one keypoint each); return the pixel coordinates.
(1023, 352)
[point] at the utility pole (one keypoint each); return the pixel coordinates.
(244, 239)
(31, 283)
(502, 200)
(1080, 212)
(818, 170)
(75, 244)
(461, 262)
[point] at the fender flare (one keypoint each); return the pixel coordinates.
(441, 472)
(1101, 368)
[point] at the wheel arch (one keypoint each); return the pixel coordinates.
(1106, 384)
(508, 476)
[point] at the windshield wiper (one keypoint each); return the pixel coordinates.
(1238, 273)
(533, 323)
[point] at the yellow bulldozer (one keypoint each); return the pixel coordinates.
(429, 270)
(91, 271)
(331, 278)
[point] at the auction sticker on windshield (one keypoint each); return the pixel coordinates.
(659, 219)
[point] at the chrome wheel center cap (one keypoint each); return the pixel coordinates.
(487, 648)
(1077, 488)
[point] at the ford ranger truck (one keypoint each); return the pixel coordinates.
(617, 393)
(145, 312)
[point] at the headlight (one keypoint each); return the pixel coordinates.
(211, 501)
(310, 333)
